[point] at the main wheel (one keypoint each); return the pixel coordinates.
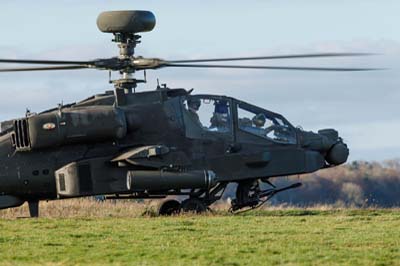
(193, 205)
(169, 207)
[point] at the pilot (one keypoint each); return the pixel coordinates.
(220, 119)
(258, 126)
(259, 120)
(193, 108)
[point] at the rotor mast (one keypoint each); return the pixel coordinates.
(125, 25)
(126, 43)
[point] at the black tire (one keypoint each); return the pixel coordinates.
(194, 206)
(169, 207)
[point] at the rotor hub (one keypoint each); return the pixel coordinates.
(126, 44)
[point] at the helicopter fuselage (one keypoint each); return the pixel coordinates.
(151, 144)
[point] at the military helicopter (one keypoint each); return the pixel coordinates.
(129, 145)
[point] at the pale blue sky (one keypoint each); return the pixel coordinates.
(364, 107)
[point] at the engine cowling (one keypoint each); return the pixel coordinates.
(68, 126)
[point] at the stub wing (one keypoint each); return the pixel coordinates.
(152, 156)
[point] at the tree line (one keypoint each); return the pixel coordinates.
(357, 184)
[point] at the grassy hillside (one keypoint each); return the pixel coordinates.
(289, 237)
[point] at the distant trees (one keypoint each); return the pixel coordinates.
(357, 184)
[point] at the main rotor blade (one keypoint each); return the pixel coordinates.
(41, 68)
(271, 67)
(270, 57)
(45, 62)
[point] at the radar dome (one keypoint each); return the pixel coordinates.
(129, 21)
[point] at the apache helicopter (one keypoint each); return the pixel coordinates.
(128, 145)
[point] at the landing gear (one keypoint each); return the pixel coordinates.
(249, 195)
(169, 207)
(194, 205)
(198, 201)
(190, 205)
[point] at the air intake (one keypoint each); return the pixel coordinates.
(20, 136)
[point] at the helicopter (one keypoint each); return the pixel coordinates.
(155, 144)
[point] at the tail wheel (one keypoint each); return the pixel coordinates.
(194, 205)
(169, 207)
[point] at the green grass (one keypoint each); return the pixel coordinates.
(289, 237)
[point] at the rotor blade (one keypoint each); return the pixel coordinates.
(270, 57)
(271, 67)
(45, 62)
(41, 68)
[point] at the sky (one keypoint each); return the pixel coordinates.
(362, 106)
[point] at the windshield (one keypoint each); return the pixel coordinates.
(209, 113)
(265, 124)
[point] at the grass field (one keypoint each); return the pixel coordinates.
(267, 237)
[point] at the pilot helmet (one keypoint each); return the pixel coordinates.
(259, 120)
(194, 103)
(221, 107)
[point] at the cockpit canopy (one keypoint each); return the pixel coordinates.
(225, 115)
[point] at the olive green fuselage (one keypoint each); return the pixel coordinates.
(106, 136)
